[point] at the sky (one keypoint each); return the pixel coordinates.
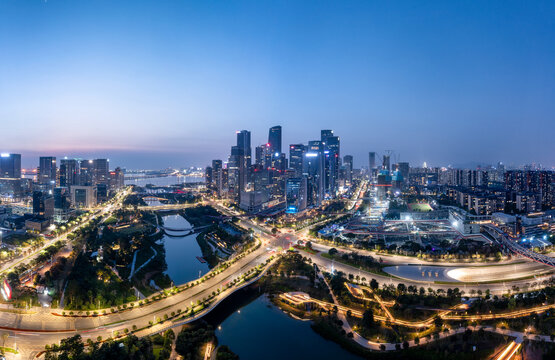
(153, 84)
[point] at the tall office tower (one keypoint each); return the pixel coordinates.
(325, 134)
(83, 196)
(296, 153)
(500, 173)
(86, 172)
(101, 173)
(371, 162)
(236, 170)
(295, 195)
(404, 169)
(274, 139)
(208, 177)
(387, 162)
(348, 164)
(43, 204)
(217, 176)
(244, 143)
(261, 178)
(117, 179)
(61, 195)
(313, 169)
(47, 170)
(332, 164)
(69, 172)
(10, 166)
(259, 154)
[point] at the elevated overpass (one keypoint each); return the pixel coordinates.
(514, 247)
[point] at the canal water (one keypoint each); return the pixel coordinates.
(164, 180)
(260, 330)
(182, 252)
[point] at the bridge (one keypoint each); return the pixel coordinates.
(513, 246)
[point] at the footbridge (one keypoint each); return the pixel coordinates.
(513, 246)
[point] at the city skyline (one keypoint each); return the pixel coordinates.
(152, 86)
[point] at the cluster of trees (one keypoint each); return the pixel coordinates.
(190, 341)
(165, 342)
(355, 259)
(293, 264)
(134, 200)
(201, 215)
(73, 348)
(225, 353)
(522, 300)
(92, 284)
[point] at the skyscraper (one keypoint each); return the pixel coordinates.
(331, 162)
(404, 169)
(296, 153)
(101, 172)
(86, 172)
(274, 139)
(371, 162)
(244, 146)
(43, 204)
(295, 195)
(217, 176)
(313, 169)
(69, 172)
(47, 170)
(348, 164)
(10, 166)
(236, 170)
(387, 162)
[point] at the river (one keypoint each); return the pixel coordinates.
(260, 330)
(182, 252)
(164, 180)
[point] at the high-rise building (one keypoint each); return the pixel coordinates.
(61, 195)
(371, 163)
(117, 179)
(43, 204)
(101, 172)
(332, 152)
(217, 176)
(208, 177)
(296, 153)
(86, 172)
(10, 166)
(274, 139)
(69, 172)
(404, 168)
(348, 165)
(325, 134)
(83, 196)
(387, 162)
(244, 143)
(313, 169)
(235, 168)
(47, 170)
(295, 195)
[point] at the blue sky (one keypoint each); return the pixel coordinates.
(167, 83)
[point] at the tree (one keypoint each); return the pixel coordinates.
(332, 251)
(438, 322)
(225, 353)
(368, 319)
(374, 285)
